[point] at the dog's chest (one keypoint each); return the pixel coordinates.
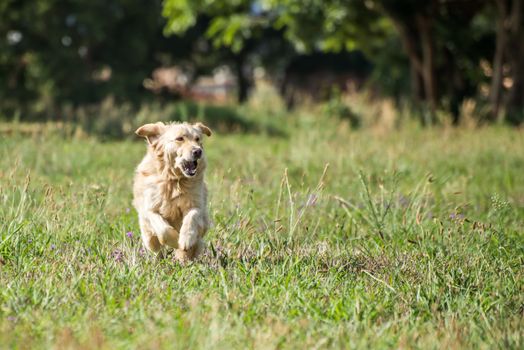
(174, 209)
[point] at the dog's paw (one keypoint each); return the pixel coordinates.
(187, 240)
(168, 237)
(183, 256)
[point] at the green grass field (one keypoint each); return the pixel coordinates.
(408, 239)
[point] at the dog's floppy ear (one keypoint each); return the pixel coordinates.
(204, 129)
(151, 131)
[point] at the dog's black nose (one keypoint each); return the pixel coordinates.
(197, 153)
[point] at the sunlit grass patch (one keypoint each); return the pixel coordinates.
(406, 239)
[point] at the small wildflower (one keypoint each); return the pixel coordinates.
(455, 216)
(129, 234)
(118, 255)
(128, 210)
(11, 318)
(53, 247)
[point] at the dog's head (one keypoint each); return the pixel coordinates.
(178, 145)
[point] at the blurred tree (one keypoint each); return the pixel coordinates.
(239, 27)
(331, 25)
(74, 52)
(439, 38)
(79, 51)
(414, 21)
(322, 32)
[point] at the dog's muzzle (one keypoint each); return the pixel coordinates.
(189, 167)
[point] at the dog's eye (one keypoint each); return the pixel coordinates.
(197, 139)
(180, 138)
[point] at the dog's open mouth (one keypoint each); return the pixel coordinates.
(189, 167)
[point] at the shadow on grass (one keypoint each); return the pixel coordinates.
(109, 121)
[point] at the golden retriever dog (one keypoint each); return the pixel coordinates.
(170, 195)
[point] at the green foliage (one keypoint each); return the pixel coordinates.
(76, 53)
(330, 25)
(320, 25)
(230, 23)
(180, 15)
(60, 55)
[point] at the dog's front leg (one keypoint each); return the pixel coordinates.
(165, 233)
(193, 228)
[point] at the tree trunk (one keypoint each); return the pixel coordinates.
(455, 89)
(419, 45)
(243, 83)
(495, 94)
(409, 41)
(428, 63)
(416, 83)
(515, 101)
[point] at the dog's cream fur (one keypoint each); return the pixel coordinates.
(170, 195)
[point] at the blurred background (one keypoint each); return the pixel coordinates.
(107, 65)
